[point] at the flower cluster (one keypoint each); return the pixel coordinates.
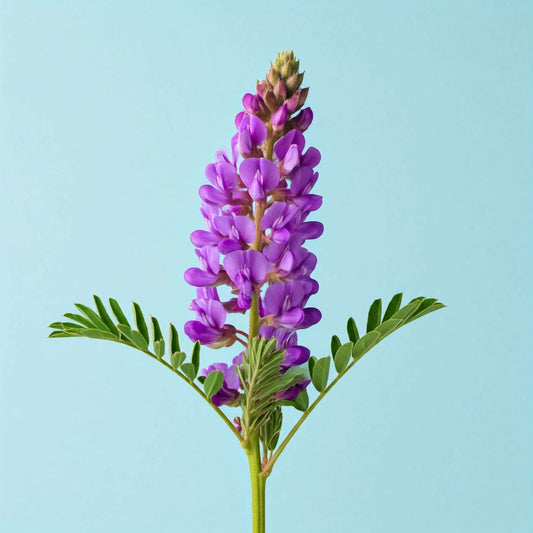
(256, 209)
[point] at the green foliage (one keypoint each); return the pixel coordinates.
(98, 324)
(176, 359)
(140, 322)
(260, 374)
(351, 328)
(342, 356)
(195, 357)
(374, 315)
(271, 429)
(213, 383)
(393, 307)
(320, 373)
(174, 342)
(311, 364)
(335, 344)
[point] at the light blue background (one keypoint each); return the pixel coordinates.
(110, 112)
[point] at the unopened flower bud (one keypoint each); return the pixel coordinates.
(280, 91)
(280, 116)
(251, 103)
(271, 101)
(302, 120)
(302, 97)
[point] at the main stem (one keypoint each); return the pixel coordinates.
(252, 443)
(257, 483)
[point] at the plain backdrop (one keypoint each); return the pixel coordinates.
(110, 112)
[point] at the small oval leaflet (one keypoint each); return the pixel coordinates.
(213, 383)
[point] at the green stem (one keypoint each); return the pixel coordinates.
(258, 483)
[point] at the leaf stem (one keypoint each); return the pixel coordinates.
(219, 412)
(268, 468)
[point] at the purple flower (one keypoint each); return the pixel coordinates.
(222, 175)
(283, 306)
(238, 232)
(276, 218)
(229, 392)
(209, 326)
(208, 273)
(252, 132)
(247, 270)
(260, 176)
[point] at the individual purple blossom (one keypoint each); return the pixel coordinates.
(252, 132)
(247, 270)
(276, 218)
(209, 326)
(208, 273)
(260, 176)
(283, 306)
(230, 388)
(238, 232)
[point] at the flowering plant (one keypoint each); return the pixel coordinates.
(255, 208)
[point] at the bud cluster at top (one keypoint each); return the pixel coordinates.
(255, 208)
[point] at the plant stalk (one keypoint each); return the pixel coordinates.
(258, 483)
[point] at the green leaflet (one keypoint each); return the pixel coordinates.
(140, 322)
(321, 373)
(92, 334)
(104, 315)
(393, 307)
(311, 364)
(159, 348)
(174, 342)
(157, 337)
(374, 315)
(135, 337)
(117, 311)
(365, 343)
(81, 319)
(65, 325)
(335, 344)
(189, 370)
(302, 401)
(213, 383)
(342, 356)
(351, 328)
(92, 316)
(176, 359)
(195, 357)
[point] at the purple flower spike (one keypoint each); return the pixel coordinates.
(246, 269)
(260, 175)
(256, 213)
(229, 392)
